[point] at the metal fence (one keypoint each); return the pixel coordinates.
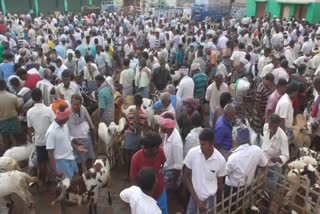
(303, 200)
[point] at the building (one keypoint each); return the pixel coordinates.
(308, 9)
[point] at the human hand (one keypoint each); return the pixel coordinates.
(201, 206)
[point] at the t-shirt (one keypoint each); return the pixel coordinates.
(32, 80)
(8, 105)
(161, 78)
(6, 70)
(140, 161)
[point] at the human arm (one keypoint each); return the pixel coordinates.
(52, 163)
(208, 93)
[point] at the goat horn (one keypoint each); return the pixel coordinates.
(61, 196)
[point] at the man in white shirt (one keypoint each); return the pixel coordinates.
(204, 171)
(289, 54)
(222, 41)
(237, 55)
(275, 147)
(242, 163)
(46, 86)
(214, 92)
(186, 85)
(67, 88)
(60, 67)
(269, 68)
(173, 149)
(281, 72)
(306, 59)
(60, 145)
(39, 118)
(284, 107)
(264, 60)
(139, 197)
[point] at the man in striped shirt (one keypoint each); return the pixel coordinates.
(200, 80)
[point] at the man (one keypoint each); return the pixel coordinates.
(126, 79)
(71, 63)
(173, 149)
(273, 99)
(46, 87)
(306, 59)
(186, 85)
(289, 54)
(81, 62)
(140, 197)
(90, 71)
(60, 145)
(242, 163)
(81, 128)
(242, 88)
(142, 79)
(67, 88)
(10, 127)
(199, 59)
(223, 131)
(60, 67)
(275, 147)
(161, 76)
(39, 119)
(105, 100)
(285, 109)
(269, 68)
(102, 60)
(200, 80)
(213, 94)
(281, 72)
(6, 67)
(151, 156)
(264, 60)
(204, 170)
(30, 80)
(315, 110)
(136, 125)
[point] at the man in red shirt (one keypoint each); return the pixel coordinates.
(151, 156)
(30, 80)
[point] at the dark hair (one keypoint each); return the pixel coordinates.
(21, 72)
(15, 82)
(66, 73)
(248, 57)
(206, 135)
(282, 82)
(284, 63)
(88, 58)
(62, 107)
(168, 115)
(151, 140)
(36, 94)
(126, 62)
(100, 77)
(196, 119)
(146, 179)
(275, 119)
(302, 68)
(58, 60)
(225, 98)
(269, 77)
(3, 85)
(138, 99)
(76, 97)
(241, 45)
(292, 88)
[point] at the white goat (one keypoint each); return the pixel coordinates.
(8, 164)
(106, 134)
(17, 182)
(20, 153)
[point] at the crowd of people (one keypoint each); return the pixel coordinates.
(55, 70)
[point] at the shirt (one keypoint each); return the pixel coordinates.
(205, 172)
(140, 203)
(285, 110)
(142, 79)
(90, 71)
(68, 92)
(58, 139)
(290, 56)
(59, 71)
(8, 106)
(40, 118)
(200, 84)
(280, 73)
(186, 88)
(277, 146)
(242, 164)
(46, 86)
(173, 150)
(263, 61)
(192, 140)
(223, 134)
(213, 95)
(140, 161)
(6, 70)
(266, 70)
(32, 80)
(105, 97)
(127, 77)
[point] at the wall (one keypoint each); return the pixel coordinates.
(313, 14)
(274, 8)
(251, 7)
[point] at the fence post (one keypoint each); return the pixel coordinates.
(66, 9)
(3, 5)
(36, 7)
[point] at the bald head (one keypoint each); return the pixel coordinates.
(171, 89)
(47, 73)
(165, 99)
(229, 112)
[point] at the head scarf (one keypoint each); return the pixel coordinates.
(195, 66)
(243, 135)
(184, 71)
(167, 123)
(63, 115)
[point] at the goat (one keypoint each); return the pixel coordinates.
(304, 151)
(20, 153)
(85, 189)
(147, 107)
(17, 182)
(106, 134)
(8, 164)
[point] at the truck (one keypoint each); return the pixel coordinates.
(215, 11)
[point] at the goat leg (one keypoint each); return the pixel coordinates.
(94, 206)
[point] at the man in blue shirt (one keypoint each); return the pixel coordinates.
(6, 67)
(223, 131)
